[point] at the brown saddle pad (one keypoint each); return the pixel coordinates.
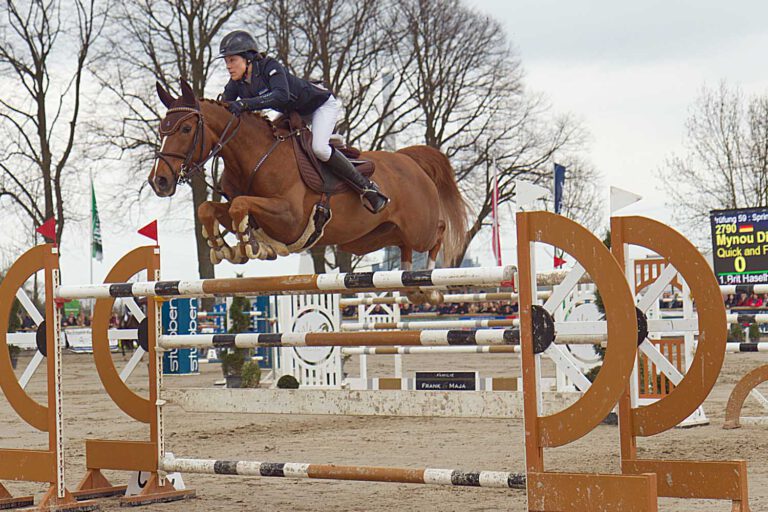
(313, 172)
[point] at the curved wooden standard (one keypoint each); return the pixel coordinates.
(549, 491)
(740, 393)
(35, 465)
(127, 455)
(726, 480)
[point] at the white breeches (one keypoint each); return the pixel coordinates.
(323, 122)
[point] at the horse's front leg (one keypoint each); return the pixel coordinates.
(276, 215)
(211, 215)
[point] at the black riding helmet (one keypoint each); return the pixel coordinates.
(236, 43)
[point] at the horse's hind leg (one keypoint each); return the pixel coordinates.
(430, 296)
(406, 258)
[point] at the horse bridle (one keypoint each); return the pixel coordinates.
(189, 168)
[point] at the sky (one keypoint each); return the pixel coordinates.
(627, 71)
(630, 71)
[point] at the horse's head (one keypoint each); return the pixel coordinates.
(183, 147)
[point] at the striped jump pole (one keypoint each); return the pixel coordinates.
(291, 285)
(450, 298)
(737, 318)
(735, 289)
(733, 348)
(447, 477)
(487, 349)
(430, 324)
(482, 337)
(342, 339)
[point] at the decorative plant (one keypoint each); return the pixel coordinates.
(287, 382)
(251, 374)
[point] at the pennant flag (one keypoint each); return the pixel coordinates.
(559, 262)
(150, 230)
(495, 233)
(621, 198)
(97, 251)
(48, 229)
(528, 193)
(559, 184)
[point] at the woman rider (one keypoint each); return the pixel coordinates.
(261, 82)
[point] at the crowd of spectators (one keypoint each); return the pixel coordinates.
(744, 300)
(496, 308)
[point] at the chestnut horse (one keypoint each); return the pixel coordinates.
(271, 208)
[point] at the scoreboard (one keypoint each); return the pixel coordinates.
(740, 245)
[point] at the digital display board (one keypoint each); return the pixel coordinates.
(740, 245)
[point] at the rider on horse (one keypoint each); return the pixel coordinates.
(261, 82)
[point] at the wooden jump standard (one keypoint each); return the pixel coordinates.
(557, 491)
(36, 465)
(743, 388)
(724, 480)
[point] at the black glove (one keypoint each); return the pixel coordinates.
(236, 107)
(245, 105)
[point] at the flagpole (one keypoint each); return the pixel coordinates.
(90, 251)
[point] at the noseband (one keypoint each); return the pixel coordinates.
(189, 168)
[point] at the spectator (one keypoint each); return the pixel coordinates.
(754, 301)
(27, 324)
(71, 320)
(730, 301)
(742, 300)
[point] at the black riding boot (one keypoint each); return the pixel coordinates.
(372, 197)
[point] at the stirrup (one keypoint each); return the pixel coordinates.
(366, 202)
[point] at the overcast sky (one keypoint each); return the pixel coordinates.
(628, 71)
(631, 70)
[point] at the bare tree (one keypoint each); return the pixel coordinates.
(473, 106)
(44, 49)
(725, 163)
(160, 40)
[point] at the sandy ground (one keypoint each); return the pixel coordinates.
(406, 442)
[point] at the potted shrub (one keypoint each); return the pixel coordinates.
(251, 374)
(14, 352)
(287, 382)
(232, 361)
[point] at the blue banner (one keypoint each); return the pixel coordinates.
(559, 184)
(180, 317)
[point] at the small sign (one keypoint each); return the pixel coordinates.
(180, 317)
(446, 381)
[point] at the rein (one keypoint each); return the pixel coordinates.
(189, 168)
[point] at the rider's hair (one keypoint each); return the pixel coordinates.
(251, 56)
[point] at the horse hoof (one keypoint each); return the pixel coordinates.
(249, 252)
(227, 252)
(214, 255)
(435, 297)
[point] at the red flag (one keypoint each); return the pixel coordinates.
(48, 229)
(559, 262)
(150, 230)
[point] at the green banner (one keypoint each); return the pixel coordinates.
(96, 248)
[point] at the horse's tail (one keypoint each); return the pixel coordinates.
(453, 208)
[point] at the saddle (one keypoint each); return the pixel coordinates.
(314, 173)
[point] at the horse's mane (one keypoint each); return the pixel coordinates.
(257, 114)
